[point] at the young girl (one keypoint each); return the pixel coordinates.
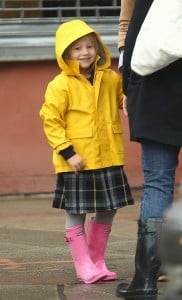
(82, 124)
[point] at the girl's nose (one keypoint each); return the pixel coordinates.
(85, 51)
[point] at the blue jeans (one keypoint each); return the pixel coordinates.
(159, 164)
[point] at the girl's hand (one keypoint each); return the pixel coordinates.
(76, 162)
(125, 109)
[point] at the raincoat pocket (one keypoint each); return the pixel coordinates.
(79, 133)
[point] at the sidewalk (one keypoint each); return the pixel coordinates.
(34, 260)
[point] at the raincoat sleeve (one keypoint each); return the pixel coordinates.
(52, 114)
(119, 92)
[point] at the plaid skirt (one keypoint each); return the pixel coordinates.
(92, 190)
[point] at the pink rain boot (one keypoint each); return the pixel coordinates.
(97, 239)
(86, 271)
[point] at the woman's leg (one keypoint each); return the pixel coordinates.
(159, 164)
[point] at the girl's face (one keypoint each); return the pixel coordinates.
(84, 50)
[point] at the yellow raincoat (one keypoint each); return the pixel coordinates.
(79, 114)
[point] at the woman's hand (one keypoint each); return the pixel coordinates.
(76, 162)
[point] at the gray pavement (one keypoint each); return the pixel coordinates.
(35, 263)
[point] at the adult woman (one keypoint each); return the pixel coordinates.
(154, 110)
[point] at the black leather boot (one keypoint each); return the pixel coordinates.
(147, 262)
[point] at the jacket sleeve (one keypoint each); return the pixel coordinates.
(140, 10)
(52, 114)
(126, 11)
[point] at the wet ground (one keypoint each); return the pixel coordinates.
(34, 260)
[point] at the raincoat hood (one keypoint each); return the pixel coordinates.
(69, 32)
